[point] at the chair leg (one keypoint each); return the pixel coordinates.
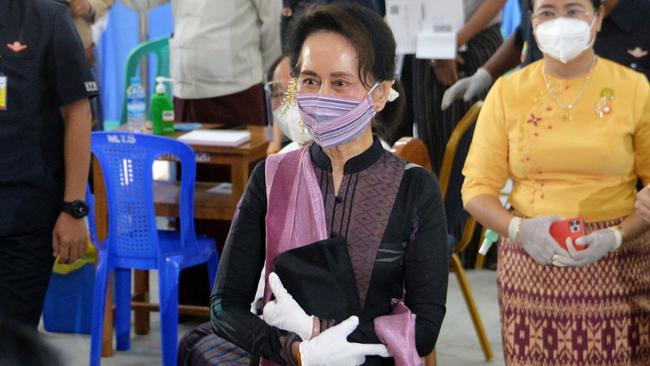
(169, 273)
(430, 359)
(480, 258)
(141, 320)
(213, 263)
(99, 303)
(471, 305)
(480, 261)
(123, 308)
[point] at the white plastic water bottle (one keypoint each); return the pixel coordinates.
(135, 105)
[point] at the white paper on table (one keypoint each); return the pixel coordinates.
(437, 37)
(216, 137)
(404, 17)
(223, 188)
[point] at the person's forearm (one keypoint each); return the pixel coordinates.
(238, 325)
(506, 57)
(479, 20)
(238, 276)
(489, 211)
(426, 330)
(633, 226)
(76, 148)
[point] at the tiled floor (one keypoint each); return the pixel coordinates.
(457, 345)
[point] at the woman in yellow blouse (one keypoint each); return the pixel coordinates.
(573, 133)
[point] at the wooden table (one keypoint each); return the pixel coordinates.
(207, 205)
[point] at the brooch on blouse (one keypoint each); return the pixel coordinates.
(603, 106)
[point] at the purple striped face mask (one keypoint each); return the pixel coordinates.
(334, 121)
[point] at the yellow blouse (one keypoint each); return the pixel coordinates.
(584, 165)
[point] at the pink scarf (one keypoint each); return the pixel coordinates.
(295, 217)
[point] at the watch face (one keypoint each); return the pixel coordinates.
(78, 209)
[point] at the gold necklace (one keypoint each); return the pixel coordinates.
(569, 107)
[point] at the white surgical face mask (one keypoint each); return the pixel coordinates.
(564, 38)
(289, 122)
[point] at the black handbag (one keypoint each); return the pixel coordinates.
(319, 276)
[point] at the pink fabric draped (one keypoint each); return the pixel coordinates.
(397, 332)
(295, 214)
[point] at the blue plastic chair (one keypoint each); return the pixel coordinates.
(92, 229)
(126, 160)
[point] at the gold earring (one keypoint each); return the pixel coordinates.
(289, 98)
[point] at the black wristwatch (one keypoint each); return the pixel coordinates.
(77, 209)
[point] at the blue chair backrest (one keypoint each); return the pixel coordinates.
(92, 229)
(126, 160)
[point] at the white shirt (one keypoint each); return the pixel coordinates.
(219, 47)
(470, 7)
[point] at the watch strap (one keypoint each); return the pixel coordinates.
(72, 208)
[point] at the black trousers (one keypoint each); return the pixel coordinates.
(25, 267)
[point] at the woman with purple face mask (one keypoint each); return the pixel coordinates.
(572, 131)
(352, 238)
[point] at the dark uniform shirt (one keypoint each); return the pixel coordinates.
(623, 38)
(45, 70)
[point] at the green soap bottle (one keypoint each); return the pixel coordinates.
(162, 109)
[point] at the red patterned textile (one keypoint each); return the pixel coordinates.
(593, 315)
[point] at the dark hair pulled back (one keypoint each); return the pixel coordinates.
(371, 38)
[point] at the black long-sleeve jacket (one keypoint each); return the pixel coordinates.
(392, 217)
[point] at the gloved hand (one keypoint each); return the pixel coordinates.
(599, 244)
(285, 313)
(468, 87)
(331, 347)
(536, 240)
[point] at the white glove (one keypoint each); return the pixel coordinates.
(285, 313)
(331, 347)
(599, 244)
(468, 87)
(642, 204)
(536, 240)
